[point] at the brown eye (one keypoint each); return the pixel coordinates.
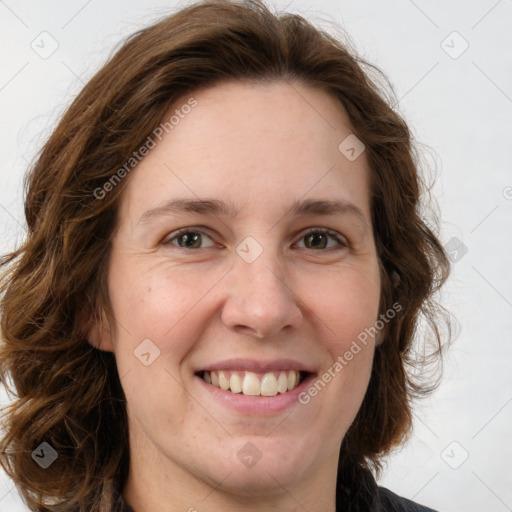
(188, 239)
(322, 239)
(316, 241)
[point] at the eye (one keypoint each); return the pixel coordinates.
(188, 239)
(315, 238)
(320, 238)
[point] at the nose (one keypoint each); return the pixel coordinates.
(260, 301)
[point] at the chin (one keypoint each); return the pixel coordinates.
(253, 471)
(263, 479)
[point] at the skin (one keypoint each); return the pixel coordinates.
(259, 147)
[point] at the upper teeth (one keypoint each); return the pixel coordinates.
(251, 383)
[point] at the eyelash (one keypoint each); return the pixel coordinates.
(343, 243)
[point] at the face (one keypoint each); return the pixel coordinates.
(244, 246)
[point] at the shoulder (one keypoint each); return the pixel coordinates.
(358, 491)
(390, 502)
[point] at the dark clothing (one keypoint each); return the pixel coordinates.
(390, 502)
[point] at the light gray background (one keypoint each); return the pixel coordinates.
(459, 107)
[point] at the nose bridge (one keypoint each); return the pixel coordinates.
(260, 301)
(263, 276)
(259, 258)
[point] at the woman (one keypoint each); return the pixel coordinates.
(225, 265)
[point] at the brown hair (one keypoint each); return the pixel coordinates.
(67, 392)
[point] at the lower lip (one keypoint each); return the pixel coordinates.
(257, 405)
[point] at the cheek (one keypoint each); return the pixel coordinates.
(346, 301)
(163, 302)
(345, 309)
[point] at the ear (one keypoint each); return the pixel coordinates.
(395, 282)
(98, 333)
(379, 338)
(395, 279)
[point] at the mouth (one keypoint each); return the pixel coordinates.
(249, 383)
(254, 387)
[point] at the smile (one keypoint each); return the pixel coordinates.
(254, 384)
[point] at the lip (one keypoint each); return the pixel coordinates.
(252, 365)
(253, 405)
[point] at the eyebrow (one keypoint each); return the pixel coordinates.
(308, 207)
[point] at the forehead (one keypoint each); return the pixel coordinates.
(252, 145)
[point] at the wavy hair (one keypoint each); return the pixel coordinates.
(68, 393)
